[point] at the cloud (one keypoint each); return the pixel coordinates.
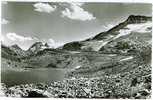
(78, 3)
(16, 37)
(1, 38)
(4, 21)
(75, 12)
(53, 44)
(44, 7)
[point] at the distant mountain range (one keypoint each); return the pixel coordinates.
(96, 43)
(129, 38)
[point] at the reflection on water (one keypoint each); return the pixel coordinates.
(13, 77)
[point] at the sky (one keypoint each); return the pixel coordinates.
(25, 23)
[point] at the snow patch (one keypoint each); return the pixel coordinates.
(43, 47)
(141, 28)
(123, 32)
(112, 55)
(77, 67)
(74, 52)
(128, 58)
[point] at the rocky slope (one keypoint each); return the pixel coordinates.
(8, 53)
(135, 84)
(18, 50)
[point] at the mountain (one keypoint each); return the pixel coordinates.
(36, 47)
(128, 39)
(131, 25)
(8, 53)
(132, 19)
(18, 50)
(136, 35)
(129, 30)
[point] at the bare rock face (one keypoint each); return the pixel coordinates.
(72, 46)
(18, 50)
(36, 47)
(133, 19)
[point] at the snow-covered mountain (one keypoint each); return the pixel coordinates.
(133, 24)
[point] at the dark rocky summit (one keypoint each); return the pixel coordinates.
(132, 19)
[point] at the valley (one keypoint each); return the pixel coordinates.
(112, 64)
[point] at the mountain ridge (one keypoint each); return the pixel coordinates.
(77, 45)
(101, 39)
(132, 19)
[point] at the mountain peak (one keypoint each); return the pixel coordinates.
(46, 45)
(132, 19)
(38, 46)
(15, 46)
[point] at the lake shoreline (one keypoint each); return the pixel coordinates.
(15, 76)
(135, 84)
